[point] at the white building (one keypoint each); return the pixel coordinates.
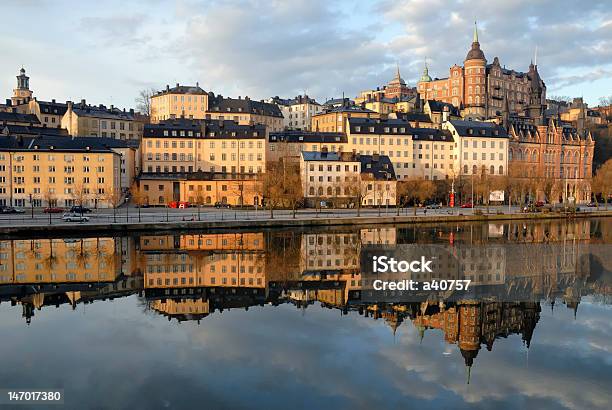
(298, 111)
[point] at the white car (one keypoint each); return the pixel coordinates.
(73, 217)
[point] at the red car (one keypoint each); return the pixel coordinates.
(178, 204)
(539, 204)
(467, 205)
(53, 210)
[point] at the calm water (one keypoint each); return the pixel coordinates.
(278, 319)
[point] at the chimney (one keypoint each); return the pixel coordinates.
(132, 111)
(112, 107)
(197, 84)
(167, 87)
(177, 84)
(83, 102)
(445, 113)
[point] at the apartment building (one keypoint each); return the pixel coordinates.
(192, 102)
(482, 147)
(183, 145)
(334, 119)
(49, 113)
(85, 120)
(297, 112)
(58, 171)
(289, 144)
(344, 177)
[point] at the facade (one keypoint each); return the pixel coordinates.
(179, 146)
(439, 112)
(414, 152)
(49, 113)
(480, 89)
(581, 115)
(334, 119)
(198, 188)
(555, 154)
(85, 120)
(343, 177)
(58, 171)
(180, 101)
(289, 144)
(194, 103)
(481, 148)
(297, 112)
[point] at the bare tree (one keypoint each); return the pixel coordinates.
(143, 101)
(602, 182)
(605, 101)
(114, 199)
(356, 189)
(418, 190)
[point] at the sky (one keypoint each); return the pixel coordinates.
(107, 51)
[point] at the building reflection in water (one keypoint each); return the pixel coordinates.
(191, 276)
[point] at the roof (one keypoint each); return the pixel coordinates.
(30, 130)
(243, 105)
(479, 129)
(52, 107)
(388, 126)
(182, 89)
(186, 128)
(300, 99)
(18, 117)
(307, 136)
(438, 106)
(101, 111)
(431, 134)
(378, 166)
(54, 143)
(328, 156)
(413, 116)
(346, 108)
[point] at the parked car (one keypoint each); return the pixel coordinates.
(12, 210)
(53, 210)
(433, 205)
(467, 205)
(222, 205)
(539, 204)
(74, 217)
(178, 204)
(79, 209)
(592, 205)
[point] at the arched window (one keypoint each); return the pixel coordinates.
(534, 156)
(470, 89)
(477, 89)
(492, 170)
(470, 99)
(311, 191)
(208, 200)
(465, 169)
(474, 169)
(501, 170)
(477, 100)
(329, 191)
(320, 191)
(338, 191)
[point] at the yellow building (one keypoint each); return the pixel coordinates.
(49, 113)
(289, 144)
(203, 146)
(58, 171)
(198, 188)
(99, 121)
(334, 119)
(194, 103)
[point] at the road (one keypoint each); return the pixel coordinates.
(131, 214)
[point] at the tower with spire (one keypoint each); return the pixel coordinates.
(22, 94)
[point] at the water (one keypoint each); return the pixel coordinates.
(279, 319)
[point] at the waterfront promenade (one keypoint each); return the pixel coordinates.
(160, 219)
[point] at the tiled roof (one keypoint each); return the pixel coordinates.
(431, 134)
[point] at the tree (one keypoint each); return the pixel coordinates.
(270, 187)
(143, 101)
(602, 182)
(139, 199)
(114, 198)
(356, 189)
(605, 101)
(418, 190)
(80, 194)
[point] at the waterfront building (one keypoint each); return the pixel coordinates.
(480, 89)
(297, 112)
(58, 171)
(481, 147)
(344, 177)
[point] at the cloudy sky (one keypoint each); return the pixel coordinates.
(106, 51)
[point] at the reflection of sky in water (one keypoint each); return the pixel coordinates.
(112, 355)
